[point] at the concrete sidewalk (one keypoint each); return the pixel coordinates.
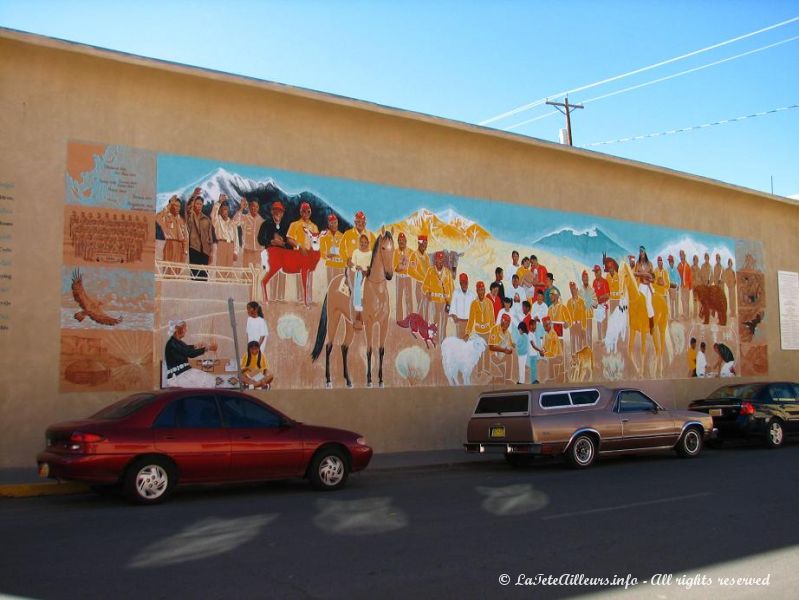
(25, 482)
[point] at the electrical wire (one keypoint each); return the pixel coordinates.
(659, 80)
(693, 128)
(541, 101)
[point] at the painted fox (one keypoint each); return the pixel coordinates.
(416, 323)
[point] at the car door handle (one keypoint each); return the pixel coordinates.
(625, 420)
(168, 437)
(245, 437)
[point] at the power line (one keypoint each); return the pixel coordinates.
(541, 101)
(693, 128)
(661, 79)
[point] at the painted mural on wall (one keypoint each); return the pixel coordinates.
(108, 280)
(337, 282)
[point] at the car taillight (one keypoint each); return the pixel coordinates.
(78, 437)
(747, 408)
(81, 441)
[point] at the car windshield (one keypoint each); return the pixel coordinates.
(743, 392)
(123, 408)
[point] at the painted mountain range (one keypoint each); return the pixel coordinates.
(586, 246)
(444, 228)
(266, 192)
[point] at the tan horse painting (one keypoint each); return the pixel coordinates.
(338, 306)
(639, 321)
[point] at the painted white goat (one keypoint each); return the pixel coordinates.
(460, 357)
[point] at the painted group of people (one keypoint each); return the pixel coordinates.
(698, 365)
(254, 367)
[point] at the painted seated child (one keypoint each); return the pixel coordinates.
(254, 368)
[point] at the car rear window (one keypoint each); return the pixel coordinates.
(744, 392)
(583, 397)
(570, 398)
(510, 403)
(554, 400)
(125, 407)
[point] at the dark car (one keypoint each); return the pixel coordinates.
(766, 411)
(148, 443)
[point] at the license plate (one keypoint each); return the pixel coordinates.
(715, 412)
(44, 470)
(498, 431)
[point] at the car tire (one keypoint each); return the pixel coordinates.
(690, 444)
(581, 452)
(329, 469)
(518, 460)
(775, 434)
(149, 480)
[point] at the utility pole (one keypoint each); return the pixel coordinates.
(567, 112)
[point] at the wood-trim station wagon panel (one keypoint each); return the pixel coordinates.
(582, 423)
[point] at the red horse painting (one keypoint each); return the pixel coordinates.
(275, 259)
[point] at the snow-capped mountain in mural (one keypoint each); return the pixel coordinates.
(586, 246)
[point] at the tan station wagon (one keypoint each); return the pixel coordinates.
(581, 424)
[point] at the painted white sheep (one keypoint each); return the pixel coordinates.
(460, 357)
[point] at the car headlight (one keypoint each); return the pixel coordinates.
(361, 441)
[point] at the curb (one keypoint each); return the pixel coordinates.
(31, 490)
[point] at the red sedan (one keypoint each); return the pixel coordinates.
(150, 442)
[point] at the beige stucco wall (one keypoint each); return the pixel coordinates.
(51, 92)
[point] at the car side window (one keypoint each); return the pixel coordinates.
(168, 417)
(782, 392)
(632, 401)
(242, 413)
(198, 412)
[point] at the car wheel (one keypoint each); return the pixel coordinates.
(149, 480)
(775, 434)
(582, 452)
(518, 460)
(690, 444)
(329, 469)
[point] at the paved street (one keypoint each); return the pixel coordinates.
(424, 533)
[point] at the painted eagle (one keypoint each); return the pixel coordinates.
(91, 308)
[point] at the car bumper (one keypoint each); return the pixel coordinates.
(741, 427)
(503, 448)
(361, 455)
(93, 468)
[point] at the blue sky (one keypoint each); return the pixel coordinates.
(469, 61)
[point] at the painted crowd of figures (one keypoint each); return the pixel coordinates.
(479, 326)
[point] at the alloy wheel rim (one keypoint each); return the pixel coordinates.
(692, 442)
(775, 431)
(583, 451)
(151, 482)
(331, 470)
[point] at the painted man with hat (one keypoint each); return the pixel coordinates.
(250, 222)
(661, 282)
(500, 345)
(226, 230)
(272, 234)
(602, 292)
(437, 288)
(481, 320)
(350, 239)
(299, 237)
(330, 248)
(674, 280)
(461, 304)
(418, 266)
(402, 258)
(553, 350)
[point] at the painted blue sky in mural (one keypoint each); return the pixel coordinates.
(383, 204)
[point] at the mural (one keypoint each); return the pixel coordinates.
(339, 283)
